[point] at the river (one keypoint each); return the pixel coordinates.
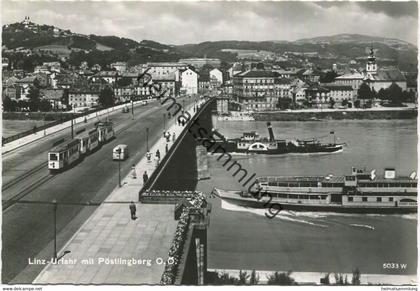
(243, 238)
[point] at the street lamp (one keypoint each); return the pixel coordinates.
(164, 123)
(119, 166)
(147, 139)
(44, 125)
(132, 108)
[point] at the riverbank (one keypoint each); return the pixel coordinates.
(337, 114)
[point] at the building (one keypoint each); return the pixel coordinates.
(164, 68)
(216, 78)
(189, 81)
(55, 96)
(25, 85)
(119, 66)
(83, 96)
(11, 89)
(124, 93)
(203, 83)
(200, 62)
(354, 80)
(339, 93)
(317, 96)
(255, 90)
(109, 76)
(222, 105)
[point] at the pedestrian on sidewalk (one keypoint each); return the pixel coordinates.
(133, 172)
(145, 177)
(133, 211)
(166, 148)
(158, 154)
(173, 137)
(148, 156)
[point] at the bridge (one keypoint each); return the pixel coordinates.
(82, 215)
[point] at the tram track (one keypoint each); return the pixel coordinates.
(23, 177)
(25, 191)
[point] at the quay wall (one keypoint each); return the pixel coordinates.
(335, 115)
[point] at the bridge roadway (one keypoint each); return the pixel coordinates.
(28, 229)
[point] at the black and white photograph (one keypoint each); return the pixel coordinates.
(209, 143)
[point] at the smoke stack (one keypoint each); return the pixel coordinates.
(270, 131)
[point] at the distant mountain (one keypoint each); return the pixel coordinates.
(323, 50)
(355, 38)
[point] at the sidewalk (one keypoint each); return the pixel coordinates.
(53, 129)
(109, 236)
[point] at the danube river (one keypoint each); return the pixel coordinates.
(243, 238)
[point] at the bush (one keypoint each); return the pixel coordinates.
(281, 279)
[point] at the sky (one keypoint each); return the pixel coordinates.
(194, 22)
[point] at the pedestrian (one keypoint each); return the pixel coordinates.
(148, 156)
(158, 154)
(173, 137)
(133, 211)
(133, 172)
(145, 177)
(166, 148)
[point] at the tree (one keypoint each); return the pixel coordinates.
(225, 279)
(255, 278)
(328, 77)
(123, 82)
(364, 92)
(332, 102)
(33, 96)
(355, 280)
(243, 277)
(45, 105)
(382, 94)
(284, 103)
(65, 97)
(9, 104)
(395, 94)
(281, 279)
(326, 279)
(106, 97)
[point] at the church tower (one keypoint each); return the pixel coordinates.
(371, 66)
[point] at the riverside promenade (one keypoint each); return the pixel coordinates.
(56, 128)
(110, 247)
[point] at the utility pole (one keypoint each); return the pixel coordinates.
(132, 108)
(72, 133)
(55, 229)
(164, 122)
(147, 139)
(119, 167)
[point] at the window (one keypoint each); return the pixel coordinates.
(53, 157)
(350, 199)
(391, 199)
(364, 199)
(378, 199)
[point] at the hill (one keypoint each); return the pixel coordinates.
(323, 50)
